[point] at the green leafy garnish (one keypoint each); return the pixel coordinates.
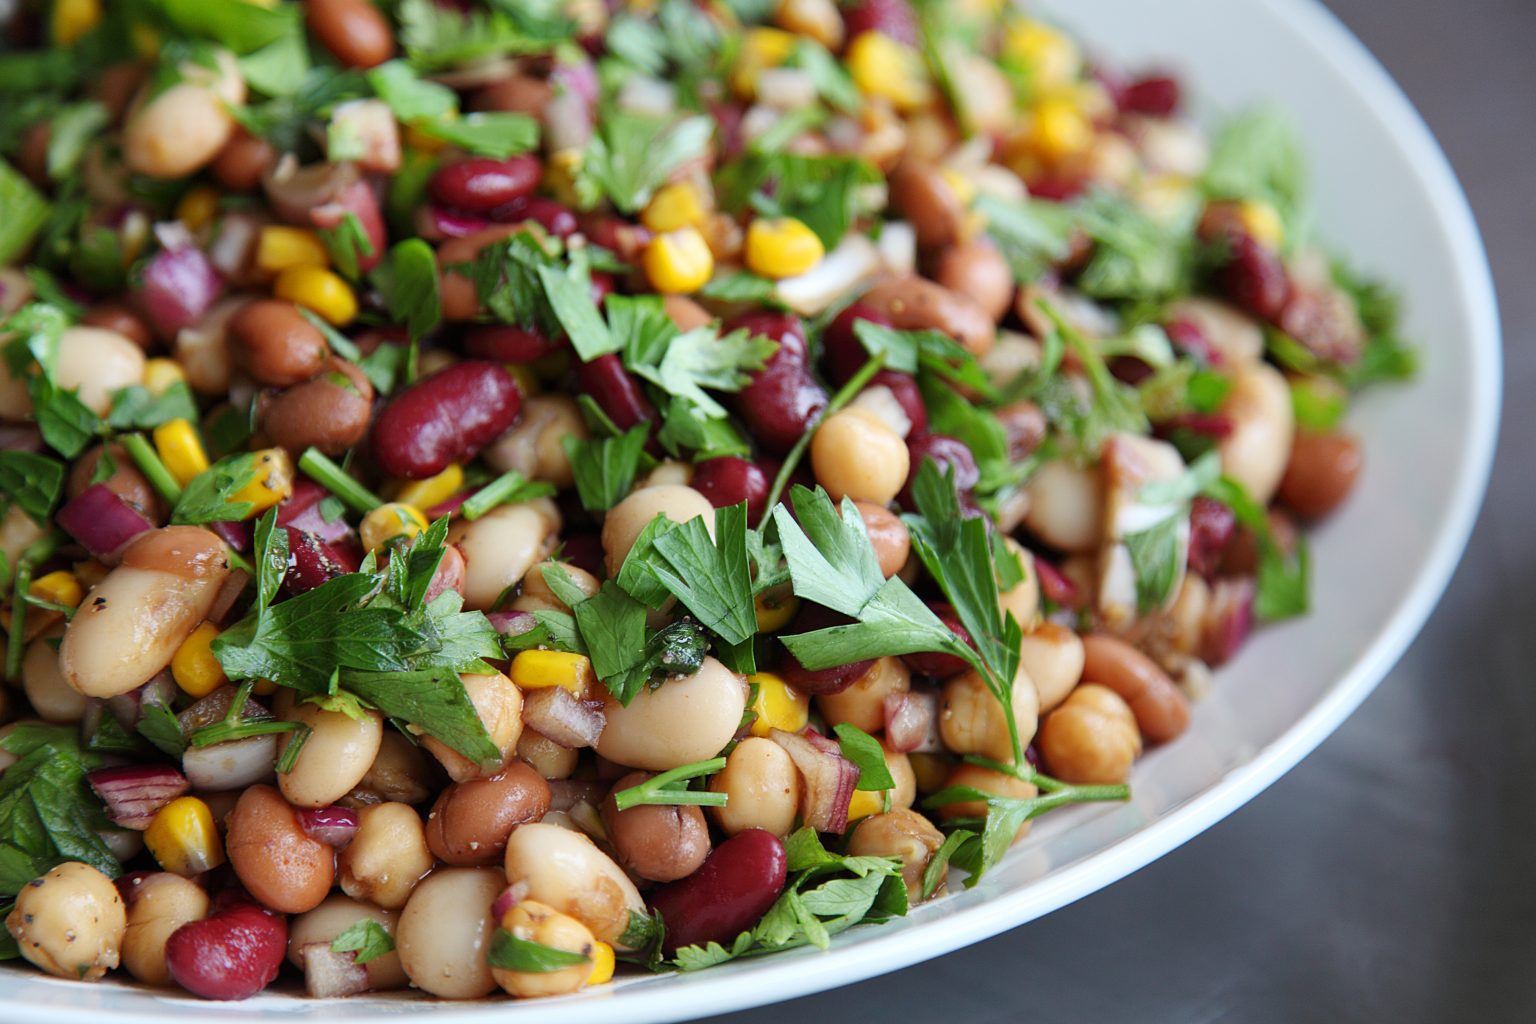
(407, 278)
(48, 814)
(629, 157)
(823, 192)
(605, 467)
(510, 953)
(367, 938)
(34, 482)
(209, 496)
(671, 788)
(865, 751)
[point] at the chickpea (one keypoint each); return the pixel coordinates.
(993, 784)
(399, 773)
(501, 546)
(1023, 598)
(1092, 738)
(862, 705)
(51, 697)
(1053, 657)
(904, 834)
(977, 270)
(888, 535)
(70, 922)
(661, 843)
(470, 823)
(763, 787)
(534, 446)
(336, 915)
(668, 473)
(971, 719)
(445, 932)
(1066, 506)
(629, 518)
(684, 720)
(274, 858)
(158, 904)
(337, 752)
(566, 871)
(535, 922)
(537, 597)
(500, 705)
(855, 454)
(387, 856)
(545, 756)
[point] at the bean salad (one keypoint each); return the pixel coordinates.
(498, 495)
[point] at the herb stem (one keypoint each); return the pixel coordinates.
(663, 788)
(492, 494)
(845, 394)
(155, 471)
(335, 479)
(15, 638)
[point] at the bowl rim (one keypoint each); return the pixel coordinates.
(786, 978)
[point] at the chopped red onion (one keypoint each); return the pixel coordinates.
(362, 202)
(231, 765)
(512, 623)
(1228, 619)
(331, 975)
(567, 793)
(829, 779)
(294, 191)
(179, 285)
(335, 826)
(911, 722)
(102, 521)
(302, 512)
(1056, 585)
(133, 793)
(312, 561)
(510, 897)
(236, 534)
(232, 249)
(555, 714)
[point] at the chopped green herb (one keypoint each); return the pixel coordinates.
(510, 953)
(367, 938)
(605, 467)
(33, 481)
(671, 788)
(509, 488)
(865, 751)
(333, 478)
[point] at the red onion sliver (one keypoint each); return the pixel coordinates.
(1228, 620)
(232, 249)
(510, 897)
(512, 623)
(555, 714)
(302, 512)
(911, 722)
(1055, 584)
(101, 521)
(335, 826)
(362, 202)
(330, 975)
(830, 780)
(178, 287)
(133, 793)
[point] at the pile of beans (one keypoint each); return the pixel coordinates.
(235, 873)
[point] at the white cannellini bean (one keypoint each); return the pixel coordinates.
(684, 720)
(336, 754)
(501, 546)
(1256, 451)
(1066, 505)
(445, 932)
(98, 362)
(51, 697)
(499, 703)
(565, 870)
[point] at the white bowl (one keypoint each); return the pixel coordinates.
(1386, 197)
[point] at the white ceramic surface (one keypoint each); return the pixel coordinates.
(1386, 196)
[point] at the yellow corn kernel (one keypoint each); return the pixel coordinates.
(272, 484)
(777, 705)
(560, 176)
(434, 490)
(183, 838)
(160, 374)
(539, 670)
(279, 247)
(73, 19)
(59, 587)
(180, 449)
(145, 40)
(197, 207)
(389, 521)
(319, 290)
(602, 964)
(761, 48)
(674, 206)
(1059, 129)
(818, 19)
(678, 261)
(1262, 221)
(779, 247)
(890, 70)
(865, 802)
(1050, 55)
(775, 610)
(194, 667)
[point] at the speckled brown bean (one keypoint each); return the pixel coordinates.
(275, 344)
(660, 842)
(1321, 472)
(929, 202)
(114, 316)
(977, 270)
(888, 535)
(460, 301)
(1161, 709)
(330, 411)
(243, 160)
(515, 94)
(915, 303)
(125, 481)
(277, 862)
(387, 856)
(470, 823)
(353, 30)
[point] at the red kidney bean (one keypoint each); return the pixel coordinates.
(435, 222)
(509, 343)
(736, 884)
(949, 453)
(301, 510)
(843, 353)
(729, 480)
(232, 954)
(361, 201)
(905, 390)
(821, 680)
(444, 418)
(895, 18)
(932, 663)
(1154, 96)
(558, 220)
(1057, 190)
(782, 399)
(1211, 525)
(1253, 277)
(480, 184)
(313, 561)
(237, 535)
(616, 391)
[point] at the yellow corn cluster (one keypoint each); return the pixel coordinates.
(183, 838)
(194, 666)
(389, 521)
(777, 705)
(678, 262)
(538, 670)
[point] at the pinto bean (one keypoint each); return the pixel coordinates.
(1321, 472)
(977, 270)
(661, 843)
(444, 418)
(329, 411)
(274, 343)
(118, 318)
(460, 301)
(275, 859)
(930, 204)
(915, 303)
(470, 822)
(888, 535)
(131, 623)
(565, 870)
(355, 32)
(445, 932)
(243, 161)
(158, 904)
(125, 480)
(1161, 709)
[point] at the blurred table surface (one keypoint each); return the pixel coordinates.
(1392, 875)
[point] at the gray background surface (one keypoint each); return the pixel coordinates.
(1392, 876)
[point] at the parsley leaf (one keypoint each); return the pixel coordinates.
(612, 625)
(865, 751)
(711, 578)
(436, 38)
(605, 467)
(1032, 235)
(408, 280)
(823, 192)
(367, 938)
(137, 408)
(48, 814)
(1283, 581)
(33, 481)
(569, 295)
(71, 130)
(1135, 258)
(208, 496)
(1258, 156)
(700, 359)
(630, 156)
